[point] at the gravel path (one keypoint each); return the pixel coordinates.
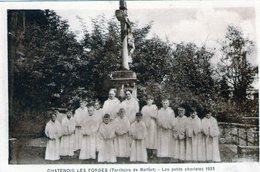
(31, 151)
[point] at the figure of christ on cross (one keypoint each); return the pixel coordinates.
(126, 35)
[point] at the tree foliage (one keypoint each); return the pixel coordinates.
(191, 74)
(47, 74)
(102, 53)
(236, 68)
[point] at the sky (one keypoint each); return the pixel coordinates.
(178, 23)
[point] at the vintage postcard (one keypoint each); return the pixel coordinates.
(129, 86)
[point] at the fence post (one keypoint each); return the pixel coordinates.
(238, 136)
(254, 138)
(246, 137)
(13, 152)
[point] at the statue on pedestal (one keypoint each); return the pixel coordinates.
(125, 78)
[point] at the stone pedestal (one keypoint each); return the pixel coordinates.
(123, 80)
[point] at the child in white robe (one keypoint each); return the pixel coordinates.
(89, 130)
(180, 135)
(165, 121)
(150, 112)
(53, 133)
(79, 117)
(122, 141)
(138, 133)
(211, 132)
(99, 113)
(131, 106)
(193, 136)
(68, 125)
(107, 134)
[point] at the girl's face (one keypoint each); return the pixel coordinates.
(149, 102)
(181, 111)
(165, 104)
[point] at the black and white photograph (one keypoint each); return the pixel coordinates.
(131, 82)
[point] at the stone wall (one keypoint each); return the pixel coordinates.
(230, 131)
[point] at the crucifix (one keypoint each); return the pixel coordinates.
(124, 78)
(126, 35)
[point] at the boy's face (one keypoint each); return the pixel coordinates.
(69, 114)
(97, 105)
(106, 120)
(193, 115)
(90, 110)
(111, 95)
(128, 95)
(149, 102)
(53, 117)
(82, 104)
(165, 104)
(121, 113)
(138, 118)
(208, 115)
(181, 111)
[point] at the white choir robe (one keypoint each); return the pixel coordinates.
(138, 133)
(89, 130)
(179, 136)
(53, 132)
(193, 138)
(201, 147)
(79, 116)
(111, 107)
(99, 116)
(122, 140)
(210, 138)
(149, 117)
(67, 146)
(165, 121)
(106, 152)
(131, 108)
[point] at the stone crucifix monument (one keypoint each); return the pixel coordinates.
(125, 78)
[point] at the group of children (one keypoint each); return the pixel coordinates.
(119, 130)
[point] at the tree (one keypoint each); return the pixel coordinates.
(190, 76)
(102, 53)
(152, 60)
(47, 74)
(224, 88)
(235, 65)
(152, 63)
(45, 64)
